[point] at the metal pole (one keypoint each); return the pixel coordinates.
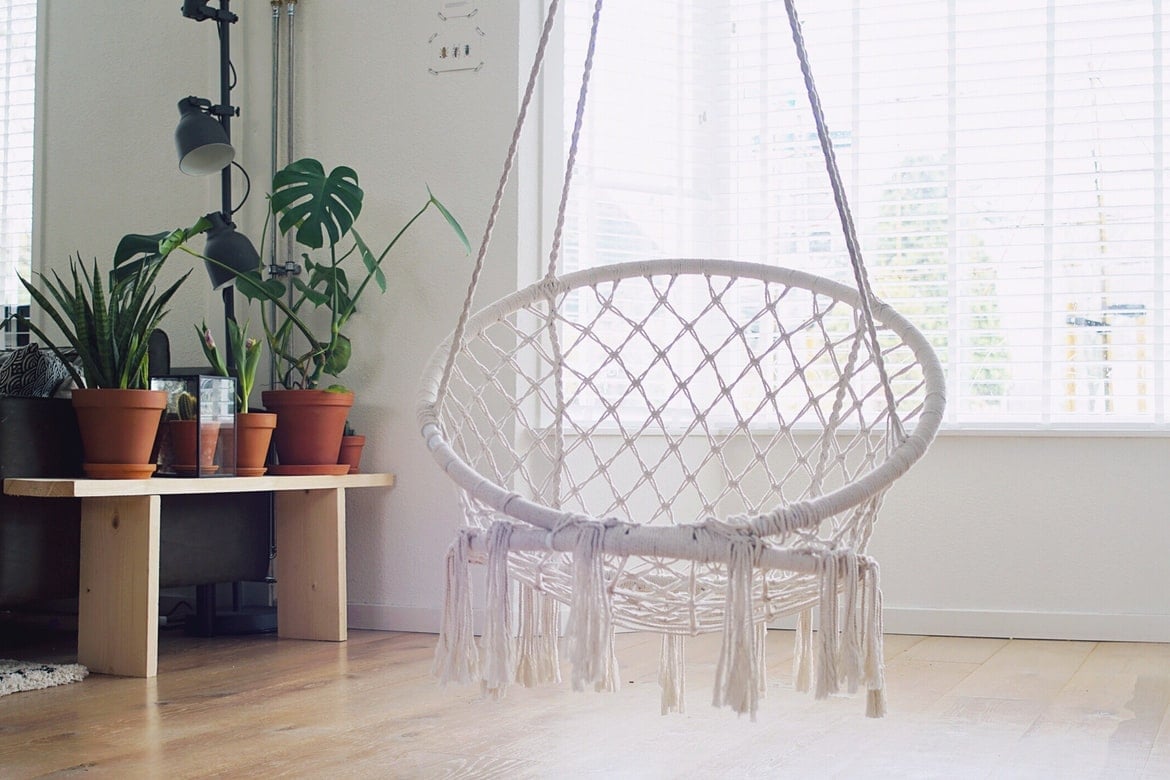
(225, 100)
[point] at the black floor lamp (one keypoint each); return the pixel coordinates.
(203, 143)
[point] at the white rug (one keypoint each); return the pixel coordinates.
(28, 676)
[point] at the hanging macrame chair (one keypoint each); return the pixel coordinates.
(677, 445)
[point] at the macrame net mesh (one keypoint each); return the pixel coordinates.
(673, 392)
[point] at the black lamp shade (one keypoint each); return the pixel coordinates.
(200, 140)
(228, 248)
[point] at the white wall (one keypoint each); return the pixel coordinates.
(1048, 536)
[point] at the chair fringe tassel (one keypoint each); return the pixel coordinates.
(590, 632)
(538, 659)
(456, 657)
(671, 673)
(498, 666)
(849, 638)
(738, 672)
(846, 651)
(802, 657)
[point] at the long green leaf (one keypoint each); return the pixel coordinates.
(454, 223)
(43, 302)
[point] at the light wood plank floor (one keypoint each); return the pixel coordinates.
(264, 707)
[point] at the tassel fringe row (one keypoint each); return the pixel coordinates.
(845, 652)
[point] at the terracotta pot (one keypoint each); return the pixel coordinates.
(351, 451)
(309, 427)
(253, 434)
(118, 429)
(185, 438)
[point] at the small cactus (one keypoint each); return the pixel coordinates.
(188, 406)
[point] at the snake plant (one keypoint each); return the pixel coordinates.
(107, 324)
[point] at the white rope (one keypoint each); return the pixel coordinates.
(802, 656)
(509, 161)
(875, 677)
(760, 674)
(590, 621)
(574, 141)
(672, 673)
(850, 664)
(828, 638)
(456, 658)
(498, 667)
(851, 242)
(538, 661)
(737, 673)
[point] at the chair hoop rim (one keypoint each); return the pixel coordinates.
(805, 513)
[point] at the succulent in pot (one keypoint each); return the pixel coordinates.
(352, 444)
(193, 442)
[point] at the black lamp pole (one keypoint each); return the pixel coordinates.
(225, 119)
(223, 18)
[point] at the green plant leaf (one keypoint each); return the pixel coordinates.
(102, 331)
(454, 223)
(304, 198)
(315, 297)
(136, 250)
(373, 267)
(255, 288)
(338, 357)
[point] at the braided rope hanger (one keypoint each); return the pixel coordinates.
(861, 276)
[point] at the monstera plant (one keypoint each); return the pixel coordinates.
(306, 328)
(321, 210)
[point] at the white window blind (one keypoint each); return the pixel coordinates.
(1006, 165)
(18, 38)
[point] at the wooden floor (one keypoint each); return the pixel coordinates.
(264, 707)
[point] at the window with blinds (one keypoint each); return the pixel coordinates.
(18, 40)
(1006, 164)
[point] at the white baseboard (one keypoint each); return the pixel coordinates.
(898, 620)
(1087, 626)
(385, 617)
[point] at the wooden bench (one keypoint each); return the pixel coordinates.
(117, 630)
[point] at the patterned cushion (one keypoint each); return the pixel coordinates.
(31, 372)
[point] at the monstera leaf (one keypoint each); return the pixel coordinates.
(314, 204)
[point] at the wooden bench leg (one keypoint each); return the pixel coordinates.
(117, 621)
(310, 564)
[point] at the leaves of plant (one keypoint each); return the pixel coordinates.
(305, 198)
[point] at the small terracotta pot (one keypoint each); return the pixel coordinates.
(118, 429)
(253, 434)
(351, 451)
(184, 439)
(309, 427)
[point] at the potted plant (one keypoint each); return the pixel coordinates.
(108, 326)
(320, 210)
(352, 443)
(253, 429)
(188, 435)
